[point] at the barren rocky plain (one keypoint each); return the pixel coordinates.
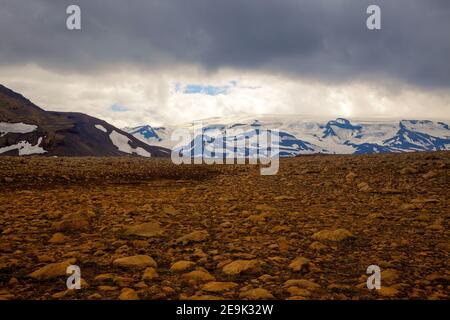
(148, 229)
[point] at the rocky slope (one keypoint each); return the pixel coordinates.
(147, 229)
(26, 129)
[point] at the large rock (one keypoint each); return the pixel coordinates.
(149, 229)
(57, 238)
(239, 266)
(128, 294)
(182, 265)
(332, 235)
(135, 262)
(299, 264)
(72, 225)
(195, 236)
(198, 275)
(219, 286)
(256, 294)
(150, 274)
(302, 283)
(52, 270)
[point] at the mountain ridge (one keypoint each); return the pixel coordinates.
(27, 129)
(303, 135)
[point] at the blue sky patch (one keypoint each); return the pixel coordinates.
(205, 89)
(119, 108)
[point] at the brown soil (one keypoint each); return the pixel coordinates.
(389, 210)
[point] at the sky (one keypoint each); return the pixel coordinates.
(171, 61)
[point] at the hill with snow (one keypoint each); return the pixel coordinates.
(305, 135)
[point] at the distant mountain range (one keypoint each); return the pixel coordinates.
(26, 129)
(304, 135)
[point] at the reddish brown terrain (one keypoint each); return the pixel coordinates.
(147, 229)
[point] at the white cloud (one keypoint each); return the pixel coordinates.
(150, 95)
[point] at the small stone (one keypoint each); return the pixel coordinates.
(350, 176)
(364, 187)
(429, 175)
(316, 245)
(95, 296)
(219, 286)
(182, 265)
(52, 270)
(296, 291)
(128, 294)
(202, 297)
(6, 296)
(388, 292)
(135, 262)
(198, 275)
(57, 238)
(256, 294)
(408, 170)
(62, 294)
(389, 276)
(149, 229)
(299, 264)
(150, 274)
(77, 221)
(302, 283)
(195, 236)
(281, 198)
(332, 235)
(107, 288)
(169, 209)
(239, 266)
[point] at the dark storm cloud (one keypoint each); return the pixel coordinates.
(324, 40)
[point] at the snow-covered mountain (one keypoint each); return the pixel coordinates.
(304, 135)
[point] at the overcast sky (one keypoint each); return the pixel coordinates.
(169, 61)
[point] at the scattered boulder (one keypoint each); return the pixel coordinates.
(387, 292)
(364, 187)
(299, 264)
(195, 236)
(239, 266)
(301, 283)
(149, 229)
(296, 291)
(198, 275)
(57, 238)
(182, 265)
(350, 176)
(332, 235)
(135, 262)
(72, 222)
(150, 274)
(52, 270)
(256, 294)
(128, 294)
(318, 246)
(430, 175)
(219, 286)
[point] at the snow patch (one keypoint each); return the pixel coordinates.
(122, 143)
(20, 127)
(101, 128)
(25, 148)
